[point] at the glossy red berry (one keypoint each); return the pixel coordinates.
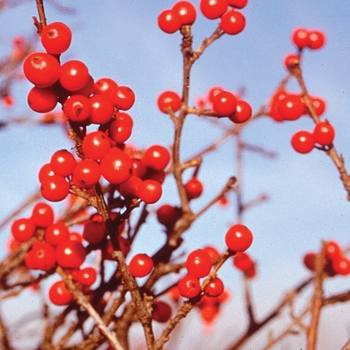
(45, 172)
(291, 107)
(116, 166)
(300, 38)
(63, 163)
(224, 103)
(189, 286)
(213, 253)
(56, 38)
(186, 11)
(41, 69)
(23, 229)
(59, 294)
(55, 188)
(167, 214)
(87, 173)
(42, 100)
(130, 188)
(86, 276)
(70, 254)
(341, 265)
(106, 86)
(43, 256)
(74, 75)
(193, 188)
(303, 141)
(101, 109)
(150, 191)
(124, 98)
(213, 91)
(291, 60)
(214, 288)
(333, 250)
(120, 128)
(232, 22)
(94, 232)
(77, 108)
(95, 145)
(213, 9)
(169, 99)
(141, 265)
(238, 238)
(309, 261)
(243, 112)
(319, 105)
(42, 215)
(243, 261)
(156, 157)
(169, 21)
(161, 311)
(317, 39)
(324, 133)
(238, 3)
(57, 233)
(199, 263)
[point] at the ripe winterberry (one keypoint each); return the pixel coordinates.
(169, 99)
(70, 254)
(95, 145)
(213, 9)
(94, 232)
(87, 173)
(243, 112)
(23, 229)
(130, 188)
(238, 238)
(199, 263)
(86, 276)
(317, 39)
(300, 38)
(303, 141)
(214, 288)
(243, 261)
(156, 157)
(232, 22)
(56, 38)
(74, 75)
(141, 265)
(150, 191)
(43, 256)
(55, 188)
(238, 3)
(186, 11)
(77, 108)
(161, 311)
(120, 128)
(42, 100)
(42, 214)
(59, 294)
(324, 133)
(189, 286)
(56, 233)
(101, 109)
(341, 265)
(63, 163)
(193, 188)
(124, 98)
(167, 214)
(224, 103)
(291, 107)
(169, 21)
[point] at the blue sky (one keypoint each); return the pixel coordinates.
(120, 39)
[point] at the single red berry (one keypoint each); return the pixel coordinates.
(156, 157)
(42, 100)
(193, 188)
(106, 86)
(43, 256)
(239, 4)
(167, 214)
(94, 232)
(333, 250)
(213, 91)
(214, 288)
(213, 9)
(101, 109)
(161, 311)
(116, 166)
(56, 233)
(77, 108)
(341, 265)
(124, 98)
(238, 238)
(130, 188)
(63, 163)
(243, 112)
(45, 172)
(186, 11)
(232, 22)
(59, 294)
(141, 265)
(23, 229)
(324, 133)
(224, 103)
(55, 188)
(41, 69)
(74, 75)
(274, 113)
(95, 145)
(150, 191)
(169, 21)
(70, 254)
(42, 214)
(243, 261)
(291, 60)
(86, 276)
(87, 173)
(300, 38)
(56, 38)
(169, 99)
(199, 263)
(189, 286)
(309, 261)
(120, 128)
(319, 105)
(213, 253)
(291, 107)
(303, 141)
(317, 39)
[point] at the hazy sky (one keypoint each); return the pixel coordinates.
(121, 39)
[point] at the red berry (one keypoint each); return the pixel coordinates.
(74, 75)
(161, 311)
(300, 38)
(55, 188)
(186, 11)
(130, 188)
(59, 294)
(141, 265)
(56, 38)
(42, 100)
(94, 232)
(86, 276)
(120, 129)
(43, 256)
(238, 238)
(77, 108)
(214, 288)
(95, 145)
(319, 105)
(324, 133)
(41, 69)
(232, 22)
(213, 253)
(87, 173)
(309, 261)
(156, 157)
(238, 3)
(45, 172)
(150, 191)
(193, 188)
(317, 39)
(169, 99)
(243, 261)
(224, 103)
(213, 9)
(116, 166)
(124, 98)
(274, 111)
(167, 214)
(42, 215)
(23, 229)
(291, 107)
(101, 109)
(63, 163)
(213, 91)
(70, 254)
(303, 141)
(291, 60)
(243, 112)
(189, 286)
(341, 265)
(333, 250)
(106, 86)
(199, 263)
(169, 21)
(56, 233)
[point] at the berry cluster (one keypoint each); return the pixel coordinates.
(312, 39)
